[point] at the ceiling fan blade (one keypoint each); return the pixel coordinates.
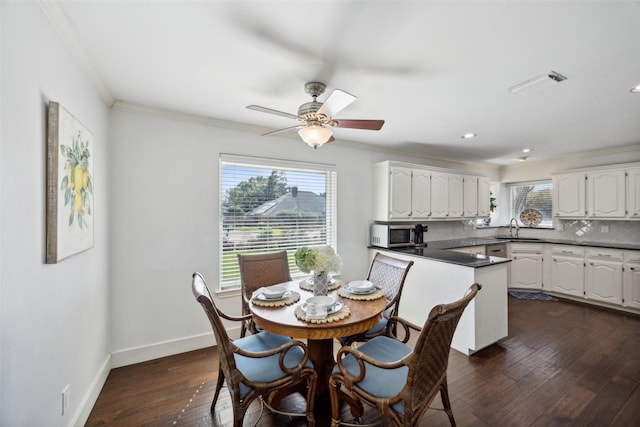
(359, 124)
(272, 111)
(336, 102)
(275, 132)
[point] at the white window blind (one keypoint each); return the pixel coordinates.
(269, 205)
(531, 195)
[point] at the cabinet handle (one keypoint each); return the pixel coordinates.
(632, 268)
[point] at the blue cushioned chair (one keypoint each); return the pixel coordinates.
(388, 274)
(256, 365)
(390, 375)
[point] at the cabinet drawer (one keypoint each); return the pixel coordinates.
(568, 251)
(632, 257)
(604, 254)
(529, 248)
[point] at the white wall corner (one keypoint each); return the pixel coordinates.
(91, 396)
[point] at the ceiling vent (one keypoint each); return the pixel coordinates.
(538, 82)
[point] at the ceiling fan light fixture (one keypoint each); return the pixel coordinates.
(635, 89)
(315, 135)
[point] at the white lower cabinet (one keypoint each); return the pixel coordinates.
(567, 270)
(603, 278)
(526, 266)
(631, 280)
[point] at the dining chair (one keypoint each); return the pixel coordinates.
(388, 274)
(256, 271)
(257, 365)
(400, 381)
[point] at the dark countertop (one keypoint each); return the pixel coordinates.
(437, 250)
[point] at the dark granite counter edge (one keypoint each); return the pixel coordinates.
(438, 250)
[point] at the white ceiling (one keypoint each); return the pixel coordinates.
(433, 70)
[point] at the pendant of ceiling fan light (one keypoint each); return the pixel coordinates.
(315, 135)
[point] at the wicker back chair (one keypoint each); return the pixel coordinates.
(388, 274)
(256, 365)
(256, 271)
(399, 380)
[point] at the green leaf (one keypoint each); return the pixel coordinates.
(67, 196)
(65, 183)
(71, 217)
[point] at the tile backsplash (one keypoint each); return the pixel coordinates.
(626, 232)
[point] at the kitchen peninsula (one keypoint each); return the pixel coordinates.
(442, 276)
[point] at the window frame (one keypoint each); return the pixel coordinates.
(547, 221)
(270, 164)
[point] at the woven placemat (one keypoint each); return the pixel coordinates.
(292, 298)
(306, 286)
(361, 297)
(333, 317)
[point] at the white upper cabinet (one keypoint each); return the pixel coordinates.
(420, 194)
(606, 194)
(633, 192)
(399, 192)
(569, 195)
(484, 196)
(447, 195)
(470, 196)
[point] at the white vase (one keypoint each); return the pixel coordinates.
(320, 283)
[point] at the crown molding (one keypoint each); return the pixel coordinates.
(59, 19)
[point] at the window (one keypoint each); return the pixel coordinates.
(269, 205)
(531, 195)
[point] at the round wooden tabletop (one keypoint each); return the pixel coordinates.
(282, 320)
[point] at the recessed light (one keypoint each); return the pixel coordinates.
(468, 136)
(522, 159)
(526, 150)
(635, 89)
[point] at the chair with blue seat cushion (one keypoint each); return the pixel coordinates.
(388, 274)
(400, 381)
(256, 271)
(257, 365)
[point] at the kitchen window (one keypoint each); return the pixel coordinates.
(536, 195)
(269, 205)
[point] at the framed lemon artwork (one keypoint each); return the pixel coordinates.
(69, 185)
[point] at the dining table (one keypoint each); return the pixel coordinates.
(358, 314)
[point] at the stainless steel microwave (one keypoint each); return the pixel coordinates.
(392, 235)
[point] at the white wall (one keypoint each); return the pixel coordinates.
(165, 216)
(54, 318)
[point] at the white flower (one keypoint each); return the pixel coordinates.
(323, 258)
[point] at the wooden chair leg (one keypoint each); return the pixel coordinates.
(219, 384)
(444, 394)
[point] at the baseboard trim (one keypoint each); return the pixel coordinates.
(91, 396)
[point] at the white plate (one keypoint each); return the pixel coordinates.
(360, 292)
(263, 297)
(321, 300)
(273, 292)
(361, 285)
(335, 307)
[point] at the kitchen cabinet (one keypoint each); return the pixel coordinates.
(567, 270)
(633, 192)
(484, 196)
(631, 280)
(606, 194)
(404, 193)
(470, 196)
(447, 199)
(603, 275)
(526, 266)
(569, 195)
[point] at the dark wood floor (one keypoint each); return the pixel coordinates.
(563, 364)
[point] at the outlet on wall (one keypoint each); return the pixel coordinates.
(604, 228)
(65, 398)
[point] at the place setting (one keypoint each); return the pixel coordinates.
(274, 296)
(361, 290)
(322, 309)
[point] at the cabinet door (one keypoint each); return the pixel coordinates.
(470, 196)
(439, 194)
(526, 271)
(604, 281)
(420, 194)
(567, 275)
(569, 195)
(456, 195)
(633, 193)
(631, 285)
(606, 194)
(484, 194)
(400, 193)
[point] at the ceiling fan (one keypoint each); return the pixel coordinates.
(317, 118)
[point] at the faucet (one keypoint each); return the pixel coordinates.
(511, 227)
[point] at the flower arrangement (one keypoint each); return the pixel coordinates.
(323, 258)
